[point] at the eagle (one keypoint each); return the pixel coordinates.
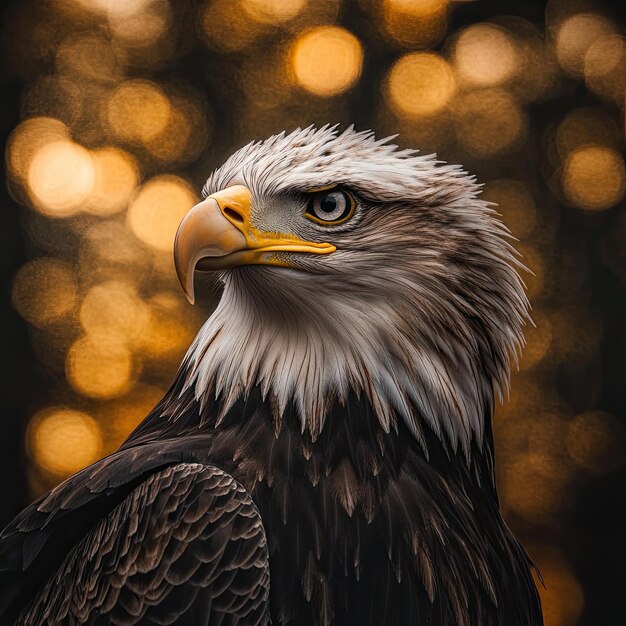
(325, 454)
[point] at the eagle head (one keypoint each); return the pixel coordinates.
(351, 266)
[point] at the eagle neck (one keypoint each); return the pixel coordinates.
(312, 359)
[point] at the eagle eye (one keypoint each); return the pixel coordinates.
(330, 207)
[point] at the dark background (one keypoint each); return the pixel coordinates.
(560, 441)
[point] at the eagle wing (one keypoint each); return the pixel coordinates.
(183, 544)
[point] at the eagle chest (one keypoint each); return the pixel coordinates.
(329, 551)
(337, 528)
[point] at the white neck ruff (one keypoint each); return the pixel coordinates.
(403, 373)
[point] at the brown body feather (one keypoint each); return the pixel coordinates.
(344, 405)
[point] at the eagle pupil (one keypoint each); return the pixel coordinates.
(330, 207)
(329, 203)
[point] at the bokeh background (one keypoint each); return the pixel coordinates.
(115, 111)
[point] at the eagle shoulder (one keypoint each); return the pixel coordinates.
(186, 543)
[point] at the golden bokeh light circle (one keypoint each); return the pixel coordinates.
(170, 145)
(420, 84)
(44, 291)
(158, 208)
(142, 28)
(28, 138)
(87, 56)
(116, 177)
(116, 8)
(273, 11)
(114, 309)
(604, 56)
(60, 178)
(414, 23)
(595, 441)
(326, 60)
(576, 35)
(489, 122)
(585, 126)
(185, 133)
(605, 67)
(100, 369)
(485, 55)
(532, 494)
(137, 111)
(63, 441)
(594, 177)
(226, 27)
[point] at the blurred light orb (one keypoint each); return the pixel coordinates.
(45, 291)
(533, 495)
(226, 27)
(87, 56)
(604, 56)
(117, 176)
(144, 27)
(594, 177)
(170, 145)
(537, 74)
(420, 84)
(63, 441)
(116, 8)
(99, 368)
(489, 122)
(326, 60)
(185, 134)
(28, 138)
(576, 35)
(415, 23)
(485, 55)
(137, 111)
(273, 11)
(157, 209)
(605, 67)
(595, 441)
(586, 126)
(113, 309)
(60, 178)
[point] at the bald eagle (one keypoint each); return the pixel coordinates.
(325, 454)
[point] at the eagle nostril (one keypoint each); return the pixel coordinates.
(233, 215)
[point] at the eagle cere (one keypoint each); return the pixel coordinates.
(325, 453)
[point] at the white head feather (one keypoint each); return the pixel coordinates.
(420, 308)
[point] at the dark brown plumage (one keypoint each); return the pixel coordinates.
(325, 454)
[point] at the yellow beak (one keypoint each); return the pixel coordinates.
(217, 234)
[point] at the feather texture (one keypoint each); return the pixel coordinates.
(324, 455)
(421, 306)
